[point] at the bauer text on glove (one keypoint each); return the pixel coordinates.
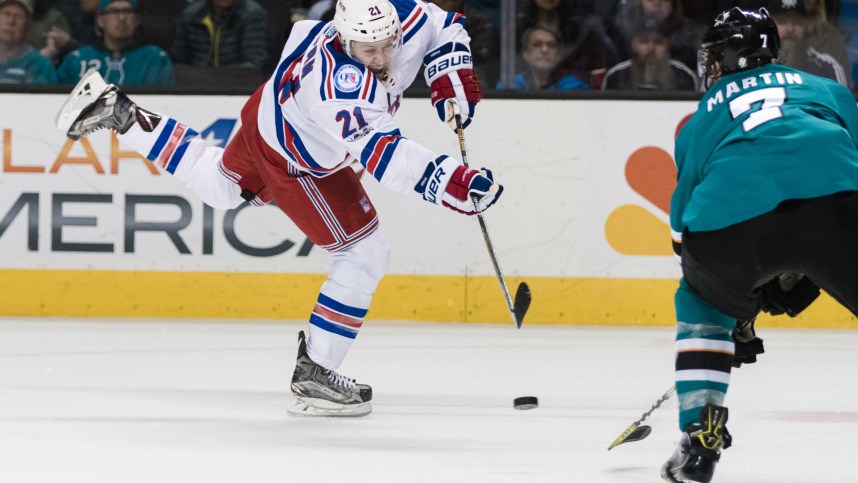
(447, 183)
(449, 72)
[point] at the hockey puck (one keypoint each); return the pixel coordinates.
(525, 402)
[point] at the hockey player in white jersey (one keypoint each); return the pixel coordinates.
(329, 105)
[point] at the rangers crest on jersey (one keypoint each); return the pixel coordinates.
(348, 78)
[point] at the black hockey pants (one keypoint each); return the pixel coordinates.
(816, 237)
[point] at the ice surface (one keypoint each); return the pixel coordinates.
(205, 401)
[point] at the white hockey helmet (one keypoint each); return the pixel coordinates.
(365, 21)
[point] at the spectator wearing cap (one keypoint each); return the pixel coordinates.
(221, 33)
(120, 55)
(683, 36)
(20, 62)
(650, 67)
(799, 49)
(541, 47)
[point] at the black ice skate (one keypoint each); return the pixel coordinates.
(699, 448)
(93, 104)
(322, 392)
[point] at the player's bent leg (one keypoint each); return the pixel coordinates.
(334, 324)
(830, 243)
(345, 298)
(704, 354)
(170, 145)
(177, 149)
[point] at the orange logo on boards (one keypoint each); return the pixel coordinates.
(635, 229)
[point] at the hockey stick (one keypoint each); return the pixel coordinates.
(522, 295)
(636, 432)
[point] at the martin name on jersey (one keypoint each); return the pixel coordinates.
(736, 87)
(323, 110)
(743, 140)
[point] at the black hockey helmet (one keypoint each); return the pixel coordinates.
(738, 40)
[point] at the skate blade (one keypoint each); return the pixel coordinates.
(667, 474)
(320, 408)
(86, 91)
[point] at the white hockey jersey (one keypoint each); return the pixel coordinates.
(322, 110)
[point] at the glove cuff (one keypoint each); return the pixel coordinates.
(445, 59)
(435, 179)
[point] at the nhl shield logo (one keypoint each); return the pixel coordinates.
(348, 78)
(365, 204)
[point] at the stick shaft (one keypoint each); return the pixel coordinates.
(460, 132)
(664, 397)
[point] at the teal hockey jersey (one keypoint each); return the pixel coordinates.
(136, 65)
(760, 137)
(28, 67)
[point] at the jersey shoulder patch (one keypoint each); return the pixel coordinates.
(348, 78)
(343, 77)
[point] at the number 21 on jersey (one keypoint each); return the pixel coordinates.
(346, 118)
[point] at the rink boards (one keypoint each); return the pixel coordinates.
(89, 229)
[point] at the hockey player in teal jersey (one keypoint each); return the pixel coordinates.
(767, 188)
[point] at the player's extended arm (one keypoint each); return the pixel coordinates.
(403, 165)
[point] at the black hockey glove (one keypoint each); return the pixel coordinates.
(748, 345)
(789, 293)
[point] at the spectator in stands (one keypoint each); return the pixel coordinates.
(556, 14)
(798, 47)
(823, 35)
(82, 29)
(221, 33)
(587, 51)
(20, 62)
(541, 52)
(684, 36)
(485, 38)
(120, 56)
(591, 54)
(650, 67)
(45, 19)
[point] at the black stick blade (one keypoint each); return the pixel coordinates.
(639, 434)
(521, 304)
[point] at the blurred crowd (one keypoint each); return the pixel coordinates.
(560, 44)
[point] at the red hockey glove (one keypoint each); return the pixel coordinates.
(449, 72)
(461, 85)
(468, 183)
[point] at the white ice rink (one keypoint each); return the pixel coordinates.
(131, 401)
